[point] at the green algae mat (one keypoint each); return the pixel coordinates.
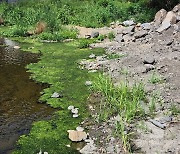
(57, 67)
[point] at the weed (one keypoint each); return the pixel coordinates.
(101, 37)
(155, 78)
(111, 36)
(115, 56)
(174, 110)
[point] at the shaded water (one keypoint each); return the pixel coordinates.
(18, 96)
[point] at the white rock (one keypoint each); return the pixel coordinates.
(45, 152)
(55, 95)
(79, 128)
(75, 110)
(88, 83)
(70, 107)
(16, 47)
(75, 115)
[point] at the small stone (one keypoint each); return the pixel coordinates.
(75, 115)
(16, 47)
(149, 60)
(87, 36)
(45, 152)
(88, 83)
(55, 95)
(94, 34)
(128, 23)
(140, 34)
(68, 146)
(149, 67)
(92, 56)
(159, 17)
(77, 136)
(75, 111)
(79, 129)
(119, 38)
(70, 107)
(128, 30)
(117, 118)
(146, 26)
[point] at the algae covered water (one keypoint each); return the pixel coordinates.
(19, 95)
(58, 67)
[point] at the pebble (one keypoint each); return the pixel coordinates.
(75, 115)
(75, 110)
(79, 128)
(70, 107)
(55, 95)
(88, 83)
(16, 47)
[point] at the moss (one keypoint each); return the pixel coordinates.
(57, 67)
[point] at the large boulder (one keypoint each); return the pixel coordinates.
(169, 20)
(159, 17)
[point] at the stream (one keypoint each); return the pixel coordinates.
(19, 95)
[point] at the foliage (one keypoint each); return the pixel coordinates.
(111, 36)
(155, 78)
(89, 13)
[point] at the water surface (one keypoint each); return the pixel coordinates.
(19, 95)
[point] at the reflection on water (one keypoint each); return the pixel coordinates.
(18, 95)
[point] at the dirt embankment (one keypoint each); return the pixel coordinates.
(148, 53)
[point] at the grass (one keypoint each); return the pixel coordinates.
(123, 100)
(174, 110)
(111, 36)
(155, 79)
(57, 67)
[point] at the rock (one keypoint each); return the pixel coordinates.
(177, 27)
(55, 95)
(157, 123)
(128, 23)
(128, 38)
(92, 56)
(16, 47)
(80, 129)
(89, 148)
(45, 152)
(146, 26)
(117, 118)
(169, 42)
(75, 115)
(176, 8)
(149, 67)
(94, 34)
(166, 119)
(70, 107)
(140, 34)
(169, 20)
(88, 83)
(77, 136)
(159, 17)
(75, 111)
(29, 33)
(87, 36)
(128, 30)
(119, 38)
(149, 60)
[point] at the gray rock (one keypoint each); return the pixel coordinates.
(159, 17)
(128, 30)
(140, 34)
(75, 115)
(119, 38)
(129, 23)
(169, 42)
(146, 26)
(149, 67)
(169, 20)
(149, 60)
(177, 27)
(128, 38)
(176, 8)
(75, 111)
(94, 34)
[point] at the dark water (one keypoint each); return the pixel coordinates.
(18, 96)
